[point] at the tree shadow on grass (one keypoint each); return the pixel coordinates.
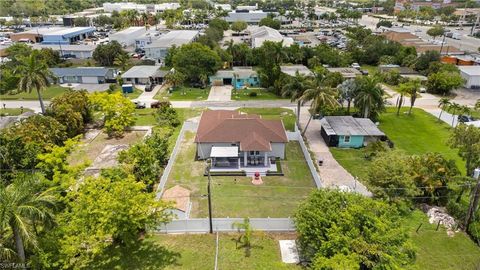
(145, 254)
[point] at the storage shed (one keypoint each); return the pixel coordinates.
(471, 75)
(349, 132)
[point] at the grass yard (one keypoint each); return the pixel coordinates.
(262, 94)
(13, 111)
(184, 94)
(90, 149)
(287, 115)
(135, 94)
(146, 117)
(279, 196)
(49, 93)
(437, 250)
(195, 251)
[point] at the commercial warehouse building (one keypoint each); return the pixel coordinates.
(471, 75)
(158, 49)
(69, 51)
(127, 36)
(67, 35)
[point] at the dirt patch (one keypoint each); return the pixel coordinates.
(108, 156)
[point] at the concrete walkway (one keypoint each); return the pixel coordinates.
(220, 93)
(331, 172)
(148, 96)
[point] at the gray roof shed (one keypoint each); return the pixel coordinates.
(349, 126)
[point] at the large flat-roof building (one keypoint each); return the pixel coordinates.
(159, 48)
(471, 75)
(127, 36)
(67, 35)
(141, 8)
(264, 33)
(33, 35)
(248, 16)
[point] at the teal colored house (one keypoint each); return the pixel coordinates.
(349, 132)
(238, 77)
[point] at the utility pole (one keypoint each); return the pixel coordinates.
(474, 199)
(209, 165)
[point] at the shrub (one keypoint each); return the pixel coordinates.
(253, 94)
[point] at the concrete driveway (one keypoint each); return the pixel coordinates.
(220, 93)
(332, 173)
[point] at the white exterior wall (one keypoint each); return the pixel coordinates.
(204, 149)
(156, 53)
(470, 80)
(89, 79)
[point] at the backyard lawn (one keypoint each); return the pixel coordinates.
(184, 94)
(287, 115)
(279, 196)
(195, 251)
(12, 111)
(437, 250)
(49, 93)
(415, 134)
(245, 94)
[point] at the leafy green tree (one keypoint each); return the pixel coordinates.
(334, 225)
(33, 73)
(42, 130)
(369, 97)
(466, 139)
(239, 26)
(270, 22)
(105, 54)
(424, 60)
(122, 60)
(384, 23)
(389, 176)
(269, 56)
(55, 161)
(23, 207)
(443, 82)
(435, 31)
(219, 24)
(194, 59)
(175, 78)
(105, 211)
(116, 110)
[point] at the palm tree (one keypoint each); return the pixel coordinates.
(453, 108)
(347, 91)
(22, 208)
(477, 105)
(369, 97)
(443, 103)
(322, 97)
(122, 60)
(403, 91)
(294, 88)
(33, 73)
(414, 88)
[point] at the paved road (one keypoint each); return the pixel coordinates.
(220, 93)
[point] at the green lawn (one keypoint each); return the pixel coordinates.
(287, 115)
(415, 134)
(262, 94)
(146, 117)
(437, 250)
(49, 93)
(279, 196)
(135, 94)
(195, 251)
(12, 111)
(184, 94)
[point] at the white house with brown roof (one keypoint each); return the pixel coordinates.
(235, 140)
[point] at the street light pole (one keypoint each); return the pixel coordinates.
(209, 165)
(474, 200)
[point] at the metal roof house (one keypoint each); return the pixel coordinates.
(346, 72)
(238, 77)
(158, 49)
(144, 75)
(349, 132)
(292, 70)
(87, 75)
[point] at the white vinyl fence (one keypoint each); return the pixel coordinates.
(201, 225)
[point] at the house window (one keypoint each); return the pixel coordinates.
(257, 153)
(233, 144)
(252, 153)
(346, 139)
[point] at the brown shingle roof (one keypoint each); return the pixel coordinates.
(250, 130)
(179, 196)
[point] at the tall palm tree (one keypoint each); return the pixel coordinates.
(33, 73)
(414, 88)
(454, 108)
(122, 60)
(22, 207)
(369, 97)
(347, 91)
(403, 90)
(443, 104)
(321, 97)
(294, 88)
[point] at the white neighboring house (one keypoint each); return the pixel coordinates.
(144, 75)
(292, 70)
(87, 75)
(264, 33)
(70, 51)
(127, 36)
(158, 49)
(471, 75)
